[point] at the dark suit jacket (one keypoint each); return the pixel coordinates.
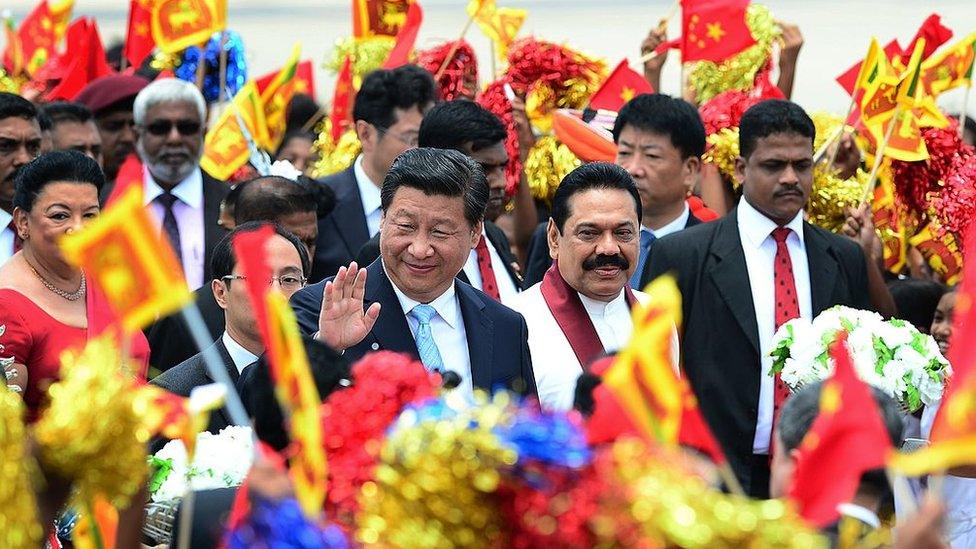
(720, 345)
(170, 342)
(497, 336)
(343, 232)
(182, 378)
(214, 192)
(537, 259)
(370, 252)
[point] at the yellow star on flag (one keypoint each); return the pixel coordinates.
(715, 31)
(627, 94)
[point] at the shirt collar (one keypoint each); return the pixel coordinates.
(368, 190)
(5, 219)
(674, 226)
(604, 309)
(189, 191)
(860, 513)
(445, 304)
(756, 227)
(241, 356)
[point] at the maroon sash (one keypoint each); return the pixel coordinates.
(567, 308)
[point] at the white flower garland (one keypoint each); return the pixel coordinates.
(219, 461)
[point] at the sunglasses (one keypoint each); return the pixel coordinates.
(163, 127)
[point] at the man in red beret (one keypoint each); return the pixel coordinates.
(110, 99)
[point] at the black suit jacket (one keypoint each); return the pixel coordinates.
(538, 261)
(170, 342)
(343, 232)
(370, 252)
(720, 345)
(497, 336)
(214, 191)
(182, 378)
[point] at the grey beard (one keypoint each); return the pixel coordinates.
(164, 172)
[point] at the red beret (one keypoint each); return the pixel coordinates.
(105, 91)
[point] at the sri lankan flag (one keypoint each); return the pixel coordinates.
(228, 144)
(275, 98)
(124, 253)
(940, 250)
(501, 25)
(179, 24)
(378, 17)
(950, 68)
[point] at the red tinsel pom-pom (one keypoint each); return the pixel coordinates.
(495, 100)
(459, 79)
(726, 109)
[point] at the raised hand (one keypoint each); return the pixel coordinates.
(342, 320)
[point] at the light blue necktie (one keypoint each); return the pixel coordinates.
(646, 238)
(430, 355)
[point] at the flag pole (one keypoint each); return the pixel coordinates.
(662, 24)
(879, 156)
(822, 151)
(850, 111)
(457, 43)
(964, 110)
(223, 67)
(731, 481)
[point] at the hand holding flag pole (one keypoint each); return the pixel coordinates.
(662, 25)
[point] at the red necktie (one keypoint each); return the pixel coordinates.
(488, 283)
(17, 241)
(787, 305)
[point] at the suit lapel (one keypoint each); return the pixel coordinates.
(231, 371)
(823, 269)
(391, 330)
(212, 232)
(349, 217)
(731, 276)
(692, 220)
(480, 332)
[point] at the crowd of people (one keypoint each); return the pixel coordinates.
(422, 246)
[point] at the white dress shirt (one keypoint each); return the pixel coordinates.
(369, 192)
(506, 288)
(760, 251)
(674, 226)
(447, 328)
(188, 209)
(6, 237)
(241, 356)
(612, 320)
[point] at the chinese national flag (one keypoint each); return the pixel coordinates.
(620, 87)
(124, 253)
(713, 30)
(405, 39)
(275, 99)
(84, 59)
(847, 439)
(13, 55)
(40, 33)
(378, 17)
(228, 144)
(304, 79)
(849, 80)
(290, 370)
(179, 24)
(139, 41)
(341, 114)
(933, 32)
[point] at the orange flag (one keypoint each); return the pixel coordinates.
(405, 39)
(847, 438)
(228, 143)
(275, 99)
(620, 87)
(179, 24)
(341, 115)
(713, 30)
(139, 41)
(125, 254)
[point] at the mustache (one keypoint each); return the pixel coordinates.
(599, 261)
(788, 191)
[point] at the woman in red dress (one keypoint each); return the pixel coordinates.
(46, 305)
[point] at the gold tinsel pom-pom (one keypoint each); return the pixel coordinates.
(333, 157)
(722, 150)
(709, 79)
(91, 433)
(547, 164)
(434, 483)
(19, 527)
(672, 508)
(830, 196)
(368, 54)
(11, 84)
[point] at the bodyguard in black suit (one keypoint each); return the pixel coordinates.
(387, 112)
(726, 338)
(410, 300)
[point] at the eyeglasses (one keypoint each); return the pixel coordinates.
(163, 127)
(287, 282)
(411, 140)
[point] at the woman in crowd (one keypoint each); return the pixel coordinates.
(46, 304)
(296, 147)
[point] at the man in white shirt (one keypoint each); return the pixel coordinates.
(20, 142)
(241, 342)
(387, 112)
(409, 300)
(169, 116)
(581, 309)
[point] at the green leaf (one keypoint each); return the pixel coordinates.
(161, 468)
(913, 399)
(883, 354)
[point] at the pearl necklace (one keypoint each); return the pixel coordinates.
(70, 296)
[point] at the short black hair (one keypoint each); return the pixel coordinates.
(667, 116)
(384, 90)
(451, 124)
(596, 175)
(773, 116)
(329, 370)
(271, 197)
(439, 172)
(67, 111)
(294, 134)
(223, 261)
(301, 109)
(916, 300)
(61, 166)
(230, 201)
(13, 105)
